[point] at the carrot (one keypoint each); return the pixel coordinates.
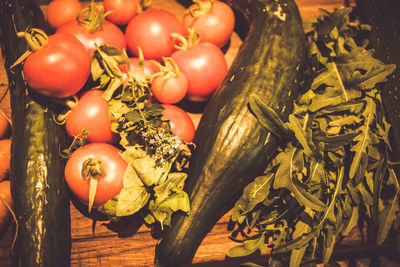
(5, 204)
(5, 125)
(5, 156)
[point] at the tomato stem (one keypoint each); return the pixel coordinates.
(92, 170)
(185, 42)
(92, 17)
(143, 5)
(36, 39)
(200, 8)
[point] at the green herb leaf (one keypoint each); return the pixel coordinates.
(248, 247)
(133, 195)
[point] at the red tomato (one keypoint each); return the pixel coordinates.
(109, 34)
(181, 124)
(59, 69)
(148, 70)
(91, 114)
(215, 25)
(170, 89)
(151, 31)
(204, 66)
(123, 10)
(59, 12)
(109, 185)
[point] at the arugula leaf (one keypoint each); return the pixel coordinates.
(253, 194)
(267, 117)
(304, 197)
(302, 135)
(248, 247)
(387, 218)
(363, 139)
(338, 161)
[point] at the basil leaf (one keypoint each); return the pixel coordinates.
(133, 195)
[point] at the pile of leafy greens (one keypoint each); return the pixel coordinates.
(333, 166)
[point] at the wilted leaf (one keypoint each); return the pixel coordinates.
(174, 180)
(133, 195)
(248, 247)
(297, 242)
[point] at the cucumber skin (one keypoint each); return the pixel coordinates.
(231, 146)
(39, 192)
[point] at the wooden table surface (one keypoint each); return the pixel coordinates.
(132, 244)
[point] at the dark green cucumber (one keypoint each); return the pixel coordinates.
(384, 17)
(231, 146)
(39, 192)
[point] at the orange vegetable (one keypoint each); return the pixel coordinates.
(5, 125)
(5, 157)
(5, 204)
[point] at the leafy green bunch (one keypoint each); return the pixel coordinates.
(333, 168)
(153, 181)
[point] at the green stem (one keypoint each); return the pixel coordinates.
(36, 39)
(200, 8)
(92, 17)
(92, 170)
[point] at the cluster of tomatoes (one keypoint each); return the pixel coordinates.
(182, 57)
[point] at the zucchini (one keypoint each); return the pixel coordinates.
(39, 192)
(232, 148)
(383, 16)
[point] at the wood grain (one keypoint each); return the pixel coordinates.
(131, 243)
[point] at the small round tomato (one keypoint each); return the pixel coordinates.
(91, 114)
(59, 69)
(181, 123)
(59, 12)
(109, 34)
(169, 89)
(122, 10)
(214, 21)
(150, 30)
(108, 185)
(205, 67)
